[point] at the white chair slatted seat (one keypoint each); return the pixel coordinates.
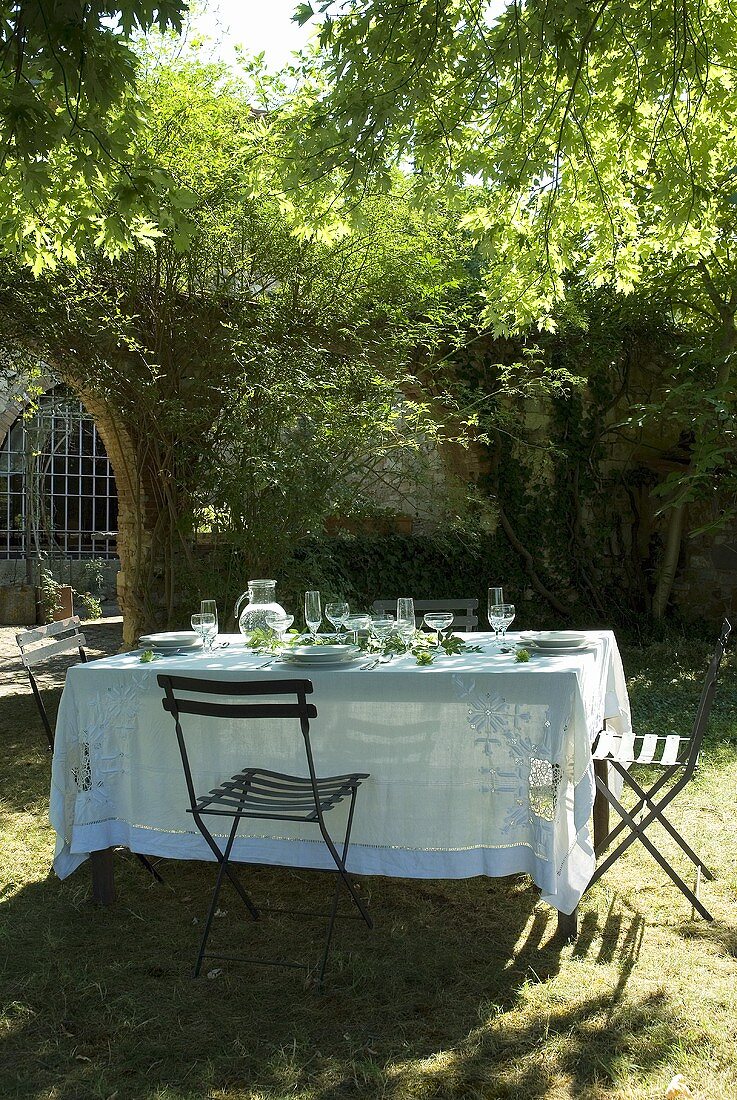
(677, 757)
(41, 643)
(465, 612)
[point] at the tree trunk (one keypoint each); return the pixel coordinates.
(670, 561)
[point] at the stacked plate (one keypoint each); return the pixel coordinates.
(316, 655)
(171, 641)
(554, 641)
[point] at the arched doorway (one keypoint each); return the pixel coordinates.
(58, 496)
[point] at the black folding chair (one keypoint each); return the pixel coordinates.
(260, 794)
(464, 611)
(678, 758)
(54, 640)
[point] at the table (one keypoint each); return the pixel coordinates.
(479, 765)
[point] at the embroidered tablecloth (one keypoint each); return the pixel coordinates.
(479, 765)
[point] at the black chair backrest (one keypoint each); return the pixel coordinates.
(223, 701)
(39, 645)
(707, 698)
(464, 611)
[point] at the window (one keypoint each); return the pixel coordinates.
(57, 489)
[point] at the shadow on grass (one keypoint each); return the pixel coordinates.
(713, 932)
(432, 1003)
(439, 1001)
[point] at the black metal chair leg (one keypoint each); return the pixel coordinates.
(639, 834)
(145, 862)
(645, 799)
(636, 809)
(329, 933)
(223, 861)
(228, 870)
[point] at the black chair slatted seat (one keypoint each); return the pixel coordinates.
(261, 794)
(678, 758)
(54, 640)
(465, 611)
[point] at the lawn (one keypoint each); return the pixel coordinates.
(461, 990)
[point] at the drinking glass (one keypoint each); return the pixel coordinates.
(313, 613)
(496, 620)
(278, 622)
(210, 607)
(205, 627)
(360, 620)
(337, 612)
(438, 621)
(406, 620)
(506, 615)
(382, 627)
(496, 597)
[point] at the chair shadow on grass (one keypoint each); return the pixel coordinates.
(103, 1002)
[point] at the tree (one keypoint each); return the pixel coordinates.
(258, 378)
(603, 138)
(68, 120)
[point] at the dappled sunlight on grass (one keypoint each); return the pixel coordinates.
(461, 991)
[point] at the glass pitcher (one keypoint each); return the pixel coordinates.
(251, 607)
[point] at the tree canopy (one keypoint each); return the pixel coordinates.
(68, 118)
(602, 135)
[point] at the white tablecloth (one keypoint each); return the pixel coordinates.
(479, 765)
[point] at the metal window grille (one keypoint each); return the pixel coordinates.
(57, 489)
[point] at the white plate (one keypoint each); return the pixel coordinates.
(552, 651)
(171, 639)
(322, 652)
(554, 639)
(312, 662)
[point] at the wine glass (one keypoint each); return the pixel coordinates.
(496, 620)
(438, 621)
(279, 622)
(205, 627)
(506, 616)
(496, 597)
(313, 613)
(210, 607)
(337, 612)
(406, 620)
(359, 620)
(382, 627)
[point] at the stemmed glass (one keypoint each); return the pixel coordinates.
(210, 607)
(496, 597)
(206, 628)
(438, 621)
(279, 623)
(382, 627)
(357, 621)
(406, 620)
(337, 612)
(506, 616)
(313, 613)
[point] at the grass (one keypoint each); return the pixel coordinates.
(461, 991)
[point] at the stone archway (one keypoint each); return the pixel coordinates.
(135, 513)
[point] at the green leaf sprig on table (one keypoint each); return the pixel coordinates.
(450, 644)
(147, 656)
(263, 640)
(522, 656)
